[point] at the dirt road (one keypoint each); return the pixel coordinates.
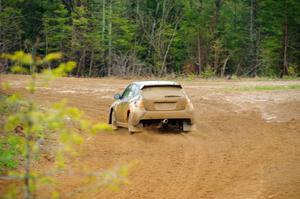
(246, 143)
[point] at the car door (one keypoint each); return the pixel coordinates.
(121, 109)
(125, 106)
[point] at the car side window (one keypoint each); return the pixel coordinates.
(130, 92)
(126, 92)
(134, 90)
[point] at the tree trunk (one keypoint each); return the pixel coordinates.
(110, 40)
(103, 28)
(164, 68)
(224, 66)
(137, 7)
(216, 56)
(91, 63)
(28, 134)
(28, 194)
(151, 46)
(251, 19)
(46, 48)
(216, 14)
(253, 38)
(214, 32)
(83, 63)
(251, 32)
(285, 44)
(80, 67)
(199, 55)
(103, 20)
(1, 39)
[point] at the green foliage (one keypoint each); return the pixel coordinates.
(270, 51)
(56, 29)
(191, 77)
(159, 37)
(9, 150)
(19, 57)
(208, 73)
(265, 88)
(10, 27)
(25, 125)
(293, 71)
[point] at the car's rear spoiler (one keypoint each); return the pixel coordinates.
(162, 85)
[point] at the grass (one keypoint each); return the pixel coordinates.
(264, 88)
(286, 78)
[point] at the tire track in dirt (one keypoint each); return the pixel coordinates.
(160, 163)
(233, 153)
(192, 174)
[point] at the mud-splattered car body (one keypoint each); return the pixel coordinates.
(152, 103)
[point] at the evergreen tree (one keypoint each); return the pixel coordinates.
(56, 28)
(11, 23)
(117, 37)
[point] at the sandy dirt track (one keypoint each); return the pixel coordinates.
(245, 145)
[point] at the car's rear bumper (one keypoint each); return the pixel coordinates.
(137, 115)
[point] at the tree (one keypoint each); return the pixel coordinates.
(25, 125)
(10, 27)
(56, 28)
(115, 37)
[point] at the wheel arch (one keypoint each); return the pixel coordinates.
(110, 115)
(128, 113)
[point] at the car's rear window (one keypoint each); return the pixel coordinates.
(166, 91)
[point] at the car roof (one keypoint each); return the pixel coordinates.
(152, 83)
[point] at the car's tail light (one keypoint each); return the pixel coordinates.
(189, 104)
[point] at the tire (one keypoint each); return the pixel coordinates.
(132, 129)
(186, 127)
(113, 120)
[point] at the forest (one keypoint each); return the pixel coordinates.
(157, 37)
(55, 140)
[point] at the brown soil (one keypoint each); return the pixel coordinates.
(245, 145)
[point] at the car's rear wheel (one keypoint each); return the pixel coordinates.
(113, 120)
(186, 127)
(131, 128)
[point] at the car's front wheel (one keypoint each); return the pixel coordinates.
(113, 120)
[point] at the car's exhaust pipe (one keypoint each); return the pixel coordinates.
(165, 121)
